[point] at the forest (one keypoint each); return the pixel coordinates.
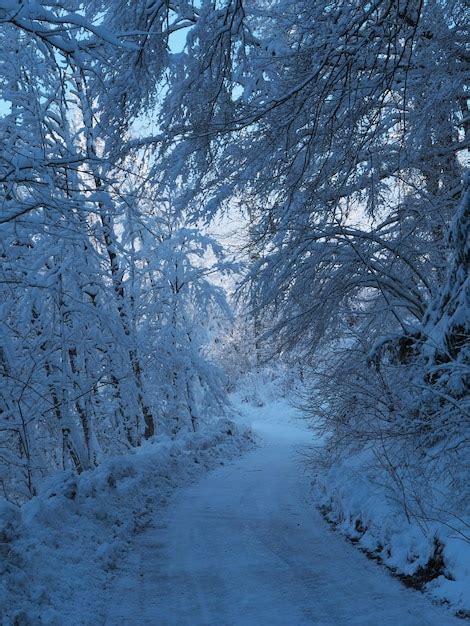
(260, 199)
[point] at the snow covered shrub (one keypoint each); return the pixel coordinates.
(393, 473)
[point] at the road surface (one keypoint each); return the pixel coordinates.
(246, 547)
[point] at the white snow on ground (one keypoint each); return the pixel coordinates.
(354, 498)
(59, 552)
(246, 547)
(243, 546)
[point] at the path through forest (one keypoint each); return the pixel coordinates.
(245, 546)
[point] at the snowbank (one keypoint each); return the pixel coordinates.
(432, 555)
(58, 552)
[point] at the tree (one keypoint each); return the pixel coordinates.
(79, 377)
(341, 128)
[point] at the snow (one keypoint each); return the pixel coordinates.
(354, 497)
(58, 553)
(244, 545)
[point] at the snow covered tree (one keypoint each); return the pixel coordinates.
(342, 130)
(177, 311)
(89, 298)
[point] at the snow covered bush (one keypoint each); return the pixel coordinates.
(396, 460)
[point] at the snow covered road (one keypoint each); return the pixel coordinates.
(245, 546)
